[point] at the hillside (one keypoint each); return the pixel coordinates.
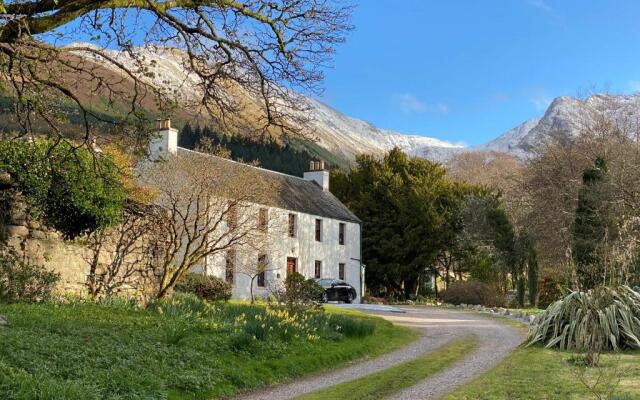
(332, 135)
(342, 135)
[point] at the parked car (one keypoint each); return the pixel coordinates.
(337, 290)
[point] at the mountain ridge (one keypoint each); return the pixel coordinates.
(347, 136)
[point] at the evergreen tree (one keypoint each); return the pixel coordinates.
(594, 225)
(268, 154)
(408, 207)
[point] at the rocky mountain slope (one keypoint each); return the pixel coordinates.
(342, 135)
(346, 137)
(567, 117)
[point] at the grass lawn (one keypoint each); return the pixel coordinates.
(538, 373)
(389, 381)
(177, 351)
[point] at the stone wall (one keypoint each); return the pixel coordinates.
(42, 246)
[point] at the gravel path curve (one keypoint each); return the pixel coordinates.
(436, 327)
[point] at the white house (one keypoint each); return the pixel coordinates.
(310, 231)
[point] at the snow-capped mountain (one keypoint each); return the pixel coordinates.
(348, 136)
(342, 135)
(165, 69)
(567, 117)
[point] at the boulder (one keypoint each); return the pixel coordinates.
(3, 321)
(5, 179)
(38, 235)
(17, 230)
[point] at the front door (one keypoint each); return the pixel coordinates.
(291, 265)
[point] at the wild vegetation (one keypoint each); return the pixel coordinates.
(67, 187)
(179, 348)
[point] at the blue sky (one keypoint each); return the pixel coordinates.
(466, 71)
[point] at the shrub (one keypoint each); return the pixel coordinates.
(600, 319)
(72, 190)
(471, 292)
(550, 289)
(205, 287)
(21, 281)
(301, 292)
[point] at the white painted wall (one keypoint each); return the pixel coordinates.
(278, 246)
(163, 143)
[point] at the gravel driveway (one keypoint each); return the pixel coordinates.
(437, 327)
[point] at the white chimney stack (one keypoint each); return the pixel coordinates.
(164, 141)
(318, 174)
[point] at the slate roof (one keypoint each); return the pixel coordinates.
(292, 192)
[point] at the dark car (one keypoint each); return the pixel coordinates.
(337, 290)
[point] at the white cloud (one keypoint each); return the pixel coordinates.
(541, 4)
(539, 97)
(442, 108)
(410, 104)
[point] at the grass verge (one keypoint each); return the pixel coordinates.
(88, 351)
(392, 380)
(538, 373)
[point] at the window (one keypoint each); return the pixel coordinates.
(318, 230)
(262, 265)
(261, 279)
(229, 267)
(318, 269)
(341, 271)
(232, 216)
(263, 219)
(341, 229)
(292, 225)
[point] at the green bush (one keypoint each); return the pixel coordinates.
(21, 281)
(600, 319)
(301, 292)
(472, 292)
(69, 188)
(205, 287)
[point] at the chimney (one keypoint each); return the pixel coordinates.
(164, 141)
(318, 174)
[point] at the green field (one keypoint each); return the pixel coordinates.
(537, 373)
(88, 351)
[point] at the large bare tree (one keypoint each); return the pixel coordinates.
(205, 206)
(263, 48)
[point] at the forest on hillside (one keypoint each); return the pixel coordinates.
(271, 155)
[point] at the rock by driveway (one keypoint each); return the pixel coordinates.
(437, 327)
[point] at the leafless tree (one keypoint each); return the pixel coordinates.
(261, 48)
(254, 268)
(206, 206)
(122, 258)
(552, 179)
